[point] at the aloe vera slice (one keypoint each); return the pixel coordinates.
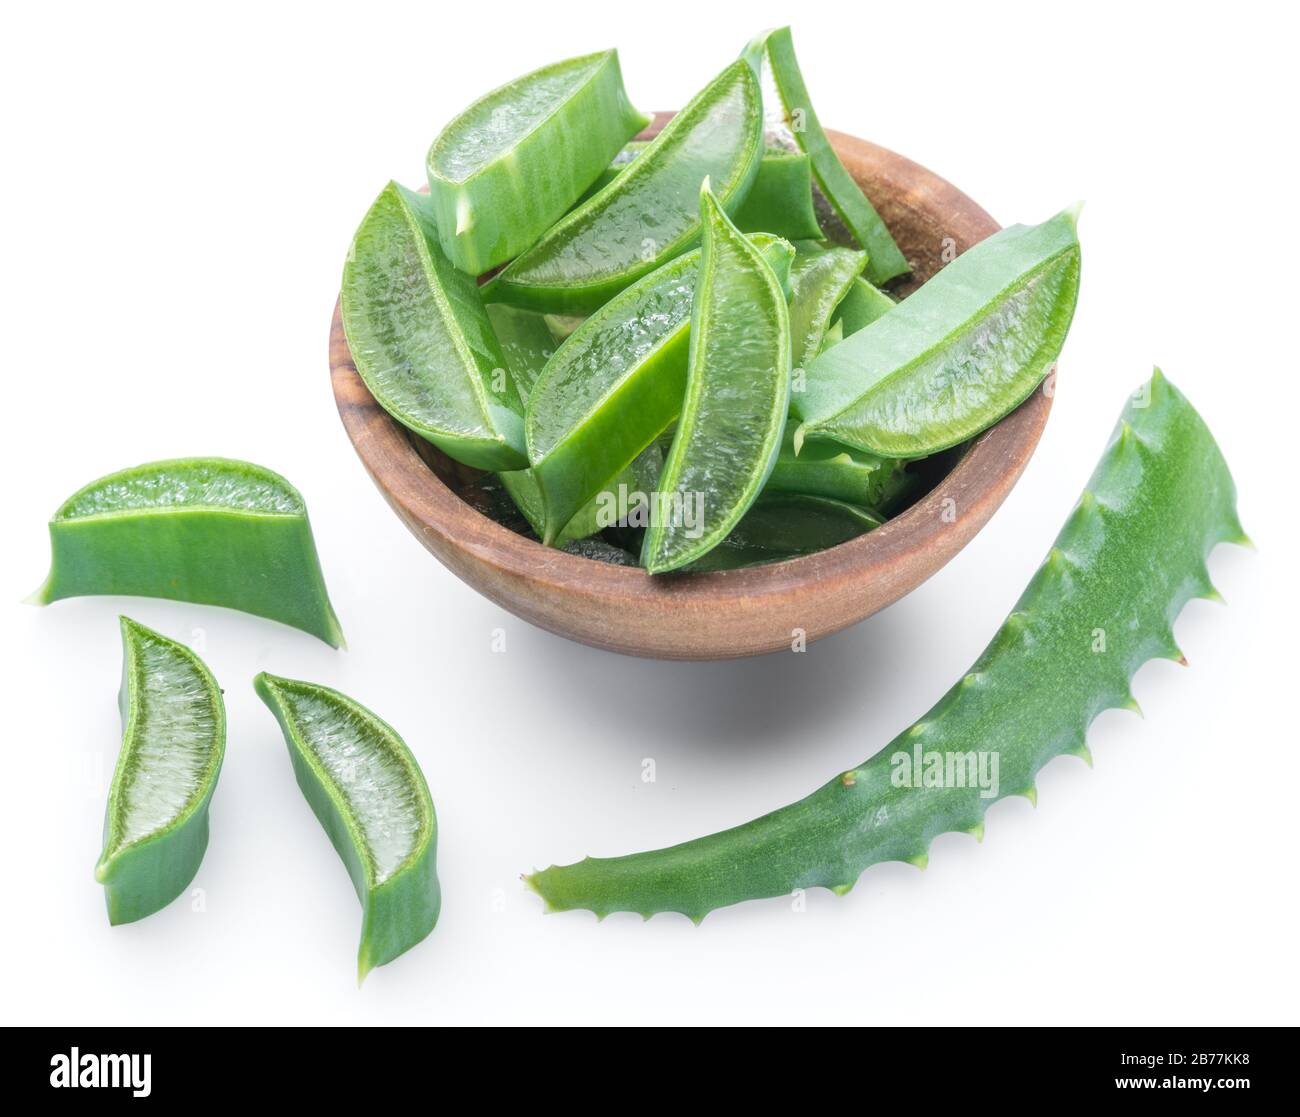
(510, 165)
(209, 530)
(780, 202)
(1130, 556)
(650, 212)
(369, 794)
(885, 260)
(819, 279)
(173, 741)
(833, 336)
(955, 357)
(422, 341)
(839, 472)
(862, 304)
(782, 526)
(615, 384)
(737, 393)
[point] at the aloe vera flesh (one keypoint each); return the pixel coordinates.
(737, 395)
(819, 280)
(508, 167)
(838, 472)
(615, 385)
(173, 742)
(649, 213)
(956, 356)
(207, 530)
(369, 794)
(1130, 556)
(884, 259)
(421, 339)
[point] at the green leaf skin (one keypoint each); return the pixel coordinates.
(421, 339)
(737, 394)
(615, 385)
(959, 354)
(839, 472)
(649, 213)
(819, 279)
(782, 526)
(862, 304)
(885, 261)
(208, 530)
(1131, 554)
(369, 794)
(508, 167)
(780, 202)
(173, 742)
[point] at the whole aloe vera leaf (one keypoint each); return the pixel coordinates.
(839, 472)
(615, 384)
(956, 356)
(508, 167)
(209, 530)
(173, 742)
(650, 212)
(885, 260)
(862, 304)
(780, 526)
(369, 794)
(737, 396)
(780, 202)
(1131, 554)
(421, 339)
(819, 280)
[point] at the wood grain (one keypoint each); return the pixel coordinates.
(732, 613)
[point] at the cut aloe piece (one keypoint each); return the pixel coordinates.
(783, 526)
(955, 357)
(737, 393)
(780, 202)
(615, 384)
(819, 279)
(421, 339)
(173, 741)
(510, 165)
(885, 260)
(862, 304)
(650, 212)
(208, 530)
(369, 794)
(839, 472)
(833, 336)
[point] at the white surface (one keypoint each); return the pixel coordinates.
(180, 189)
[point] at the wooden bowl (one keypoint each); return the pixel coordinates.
(733, 613)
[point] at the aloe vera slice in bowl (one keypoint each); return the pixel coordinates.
(208, 530)
(957, 355)
(369, 794)
(737, 394)
(509, 166)
(173, 742)
(839, 472)
(615, 384)
(862, 304)
(819, 279)
(650, 212)
(421, 339)
(782, 526)
(775, 49)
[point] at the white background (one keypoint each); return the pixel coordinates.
(180, 189)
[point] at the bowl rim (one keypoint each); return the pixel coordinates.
(977, 483)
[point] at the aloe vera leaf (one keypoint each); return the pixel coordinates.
(173, 742)
(862, 304)
(819, 280)
(208, 530)
(369, 794)
(421, 339)
(1131, 554)
(780, 202)
(650, 212)
(509, 166)
(615, 384)
(885, 260)
(839, 472)
(956, 356)
(833, 335)
(737, 395)
(782, 526)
